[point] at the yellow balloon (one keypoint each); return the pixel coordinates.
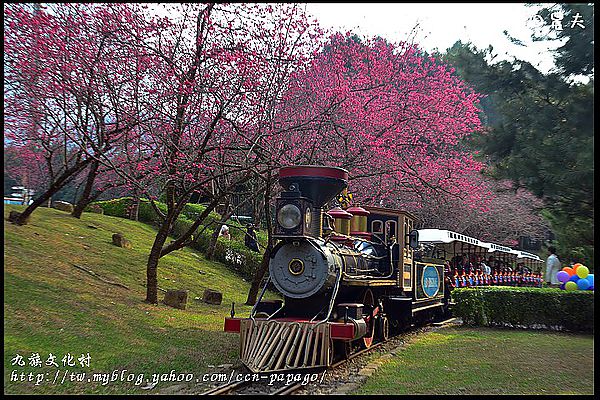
(570, 285)
(582, 271)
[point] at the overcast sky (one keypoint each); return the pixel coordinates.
(440, 25)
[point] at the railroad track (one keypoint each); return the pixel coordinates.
(255, 387)
(357, 354)
(249, 387)
(226, 389)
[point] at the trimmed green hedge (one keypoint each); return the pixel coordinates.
(232, 253)
(120, 208)
(525, 307)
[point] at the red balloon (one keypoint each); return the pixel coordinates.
(569, 271)
(575, 266)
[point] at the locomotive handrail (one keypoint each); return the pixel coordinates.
(332, 300)
(331, 303)
(276, 311)
(259, 298)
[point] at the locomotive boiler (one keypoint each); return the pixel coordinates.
(347, 277)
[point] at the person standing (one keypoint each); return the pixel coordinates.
(250, 239)
(552, 267)
(487, 270)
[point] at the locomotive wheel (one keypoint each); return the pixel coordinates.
(369, 300)
(383, 328)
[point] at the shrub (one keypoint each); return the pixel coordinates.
(525, 307)
(146, 212)
(238, 256)
(114, 207)
(120, 208)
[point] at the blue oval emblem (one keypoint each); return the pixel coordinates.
(431, 281)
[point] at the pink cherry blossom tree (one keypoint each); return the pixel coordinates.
(391, 115)
(504, 215)
(27, 166)
(67, 81)
(217, 73)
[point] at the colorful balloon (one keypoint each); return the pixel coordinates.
(575, 266)
(583, 284)
(562, 276)
(570, 286)
(574, 278)
(569, 271)
(562, 286)
(583, 271)
(590, 279)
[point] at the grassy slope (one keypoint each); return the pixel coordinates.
(489, 361)
(52, 307)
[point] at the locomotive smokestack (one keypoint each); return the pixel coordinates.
(316, 183)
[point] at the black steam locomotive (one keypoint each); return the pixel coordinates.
(343, 285)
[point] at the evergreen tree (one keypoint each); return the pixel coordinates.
(539, 135)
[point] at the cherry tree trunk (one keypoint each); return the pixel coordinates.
(227, 212)
(264, 265)
(134, 208)
(258, 277)
(64, 178)
(152, 265)
(86, 198)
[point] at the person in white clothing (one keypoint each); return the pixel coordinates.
(552, 267)
(225, 232)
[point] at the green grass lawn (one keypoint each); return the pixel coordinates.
(462, 360)
(52, 307)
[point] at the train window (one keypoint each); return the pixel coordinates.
(377, 226)
(390, 230)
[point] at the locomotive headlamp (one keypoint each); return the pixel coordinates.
(289, 216)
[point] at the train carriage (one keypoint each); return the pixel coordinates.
(443, 244)
(531, 261)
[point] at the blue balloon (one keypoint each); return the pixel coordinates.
(562, 286)
(574, 278)
(590, 279)
(583, 284)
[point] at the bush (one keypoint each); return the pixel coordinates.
(120, 208)
(525, 307)
(232, 253)
(114, 207)
(237, 256)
